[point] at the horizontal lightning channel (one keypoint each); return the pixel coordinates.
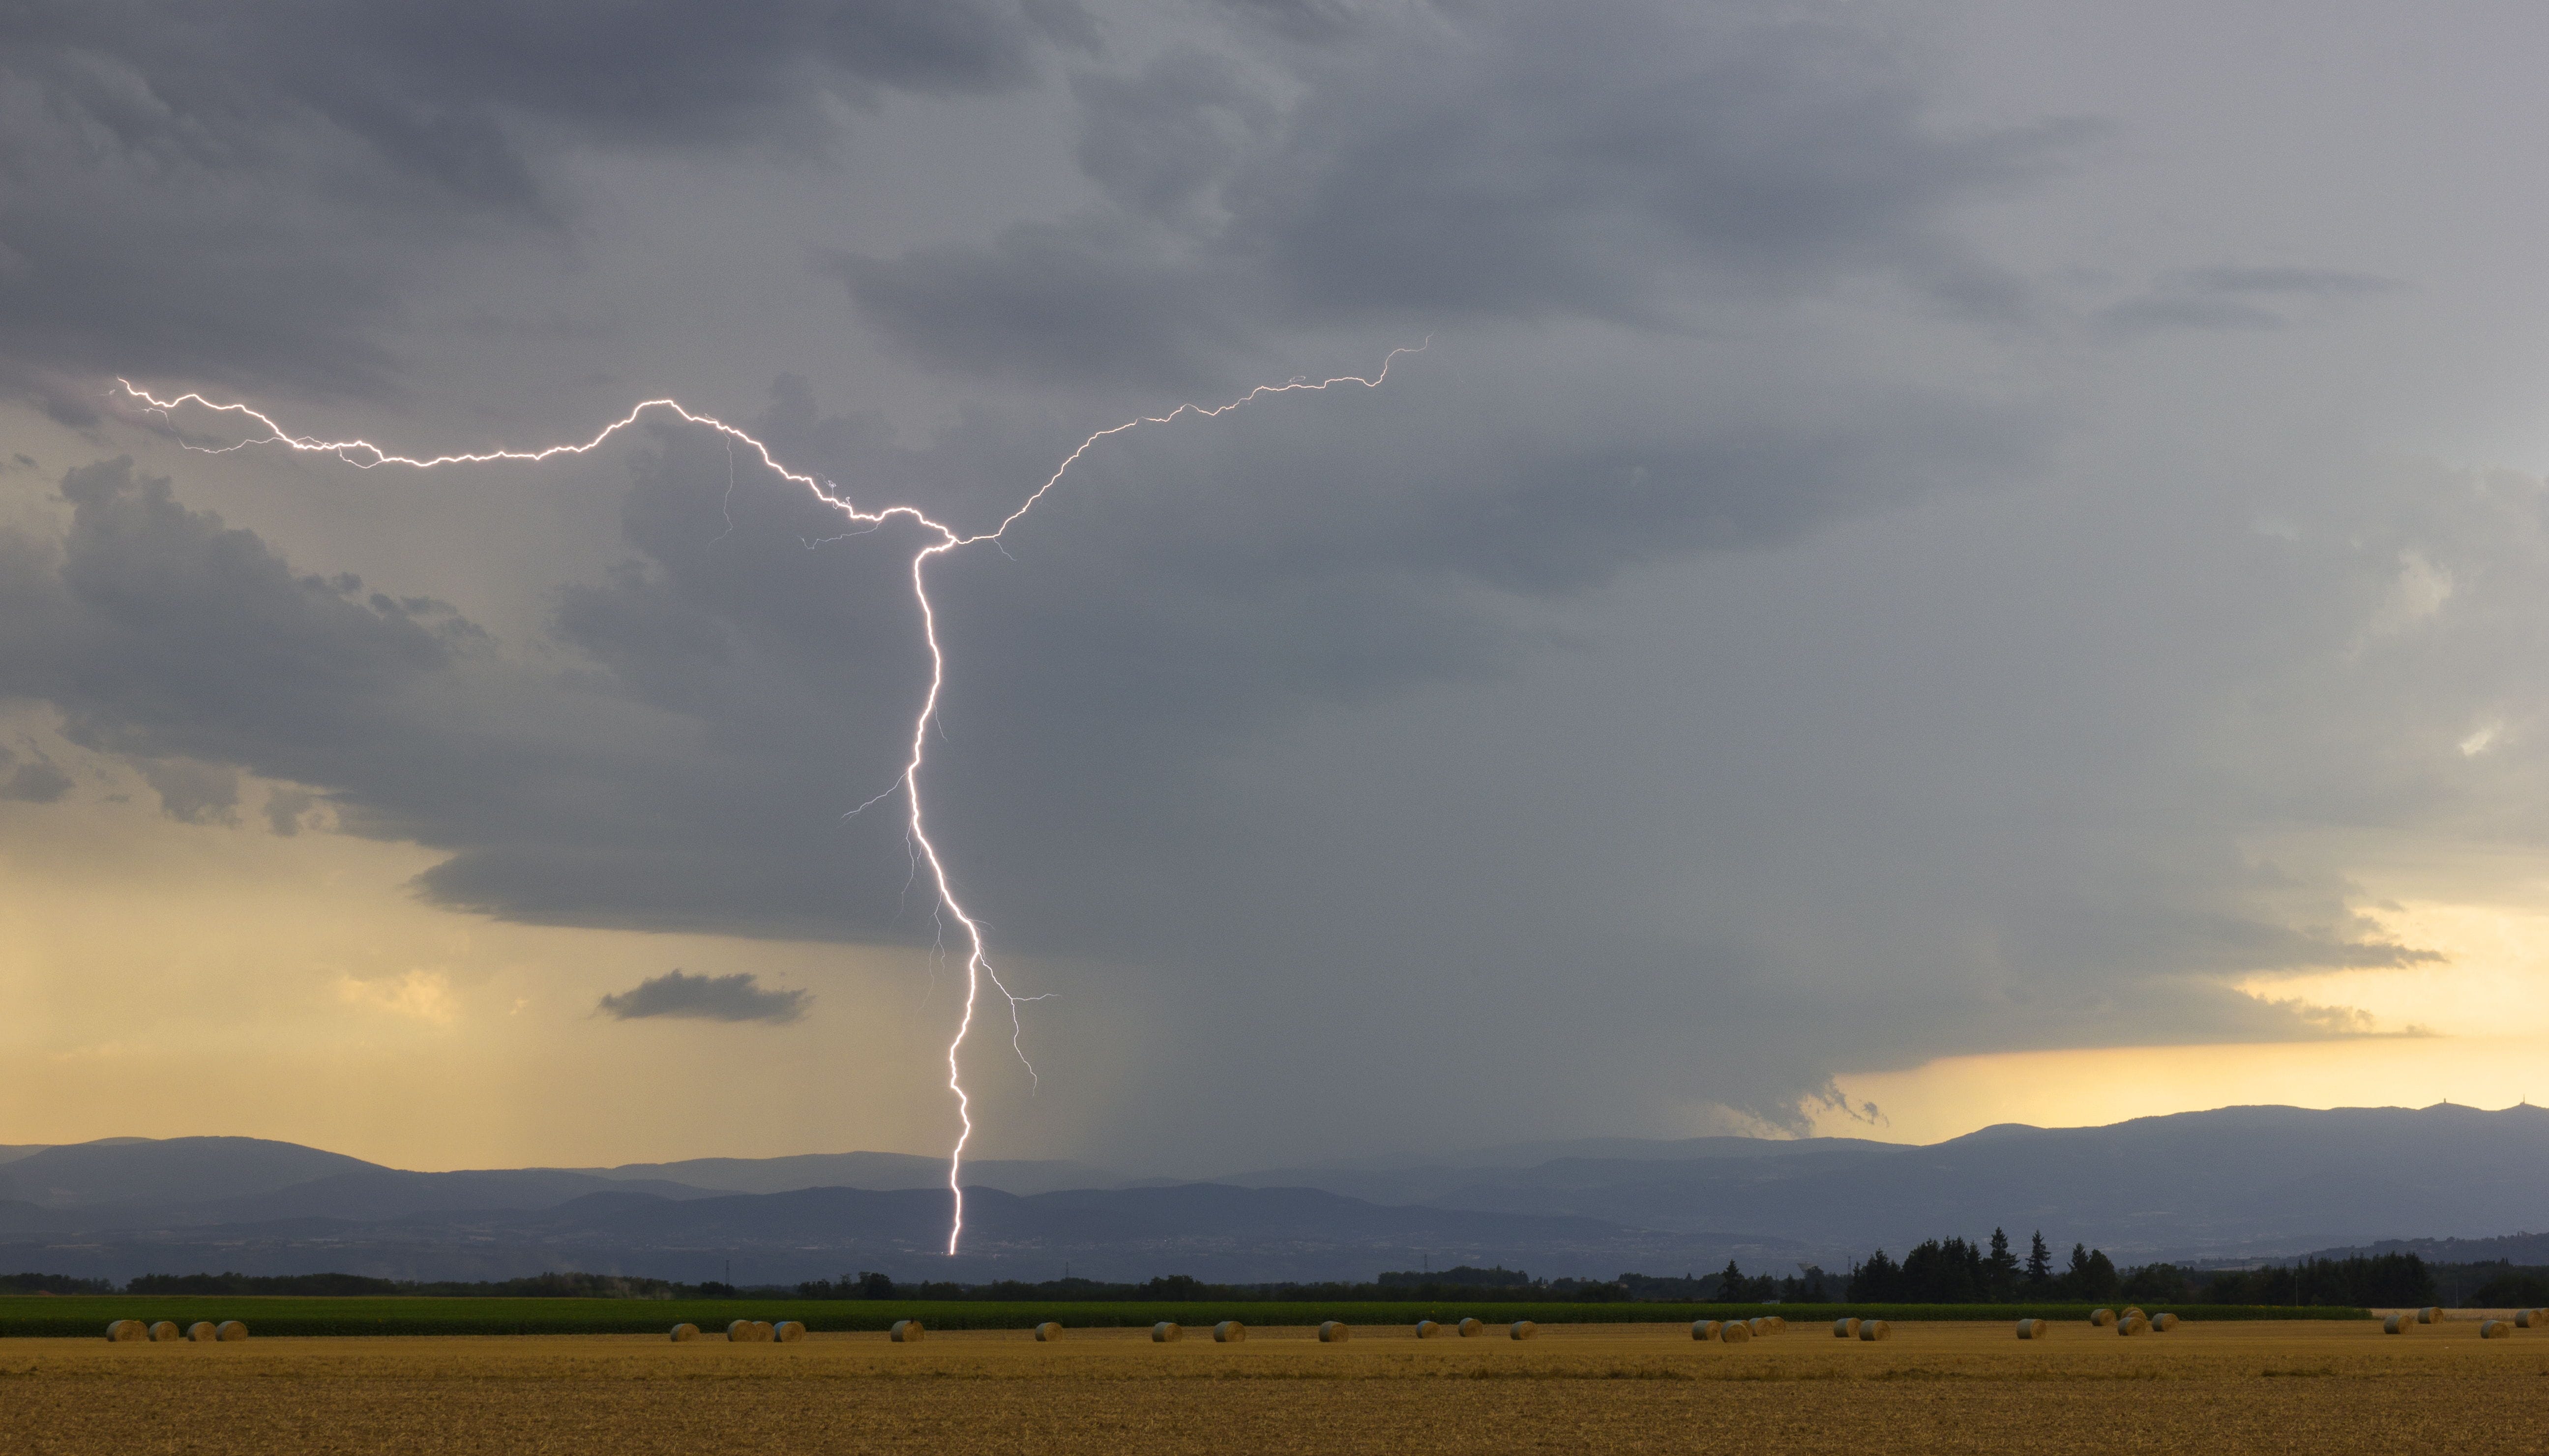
(365, 455)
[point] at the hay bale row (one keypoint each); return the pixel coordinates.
(2035, 1329)
(202, 1331)
(1522, 1330)
(750, 1332)
(1334, 1332)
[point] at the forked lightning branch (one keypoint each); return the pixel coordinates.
(939, 540)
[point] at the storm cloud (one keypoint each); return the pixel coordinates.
(1843, 587)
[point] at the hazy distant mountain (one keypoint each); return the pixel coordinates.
(2232, 1181)
(171, 1170)
(1586, 1163)
(2237, 1182)
(10, 1152)
(878, 1171)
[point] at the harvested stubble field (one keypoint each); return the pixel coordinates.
(1934, 1387)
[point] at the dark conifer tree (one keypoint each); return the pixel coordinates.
(2039, 1262)
(2002, 1267)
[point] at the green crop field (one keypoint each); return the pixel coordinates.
(74, 1315)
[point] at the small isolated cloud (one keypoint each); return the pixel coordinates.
(423, 995)
(738, 997)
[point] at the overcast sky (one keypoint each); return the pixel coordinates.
(1943, 564)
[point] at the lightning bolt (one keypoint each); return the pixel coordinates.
(940, 539)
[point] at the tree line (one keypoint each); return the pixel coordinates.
(1953, 1271)
(1938, 1271)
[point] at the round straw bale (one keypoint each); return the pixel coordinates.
(1760, 1324)
(1777, 1323)
(2398, 1323)
(684, 1332)
(166, 1329)
(1471, 1325)
(1333, 1332)
(1875, 1330)
(1167, 1332)
(1703, 1329)
(906, 1333)
(1427, 1330)
(2102, 1317)
(739, 1330)
(763, 1331)
(2163, 1320)
(2134, 1325)
(2031, 1329)
(124, 1332)
(1735, 1332)
(203, 1331)
(2494, 1329)
(1522, 1330)
(229, 1330)
(1049, 1332)
(2430, 1315)
(1229, 1332)
(2524, 1319)
(1845, 1328)
(788, 1331)
(2132, 1312)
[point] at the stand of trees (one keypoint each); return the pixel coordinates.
(1953, 1271)
(538, 1286)
(2379, 1280)
(52, 1284)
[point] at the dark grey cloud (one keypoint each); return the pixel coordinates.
(1504, 161)
(733, 998)
(243, 189)
(191, 793)
(2241, 298)
(287, 808)
(35, 781)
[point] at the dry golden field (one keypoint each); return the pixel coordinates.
(2317, 1386)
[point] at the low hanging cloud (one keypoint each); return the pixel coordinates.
(738, 997)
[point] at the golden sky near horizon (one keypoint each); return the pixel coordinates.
(167, 980)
